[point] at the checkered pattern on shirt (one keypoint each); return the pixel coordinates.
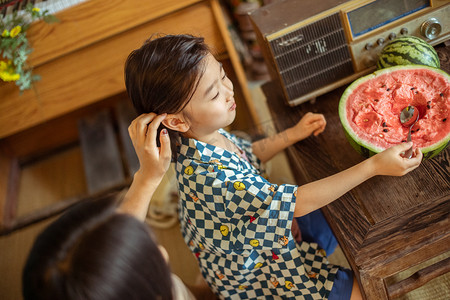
(238, 225)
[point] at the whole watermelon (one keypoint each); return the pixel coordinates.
(370, 107)
(408, 50)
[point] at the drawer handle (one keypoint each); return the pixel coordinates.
(419, 278)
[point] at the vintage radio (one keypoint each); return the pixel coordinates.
(314, 46)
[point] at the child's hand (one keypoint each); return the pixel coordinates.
(391, 162)
(310, 123)
(154, 161)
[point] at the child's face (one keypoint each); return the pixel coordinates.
(212, 106)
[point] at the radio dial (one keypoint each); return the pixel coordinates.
(431, 28)
(392, 36)
(380, 41)
(369, 46)
(404, 31)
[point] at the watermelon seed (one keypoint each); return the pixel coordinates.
(383, 86)
(413, 88)
(384, 124)
(441, 94)
(403, 141)
(416, 92)
(376, 100)
(385, 130)
(445, 119)
(388, 89)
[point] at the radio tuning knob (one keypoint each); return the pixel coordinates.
(368, 46)
(392, 36)
(380, 41)
(404, 31)
(431, 28)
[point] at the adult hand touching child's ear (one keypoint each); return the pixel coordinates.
(154, 161)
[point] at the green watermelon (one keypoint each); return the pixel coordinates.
(406, 51)
(370, 107)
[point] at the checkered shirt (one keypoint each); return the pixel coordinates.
(238, 225)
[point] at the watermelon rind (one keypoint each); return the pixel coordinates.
(367, 149)
(406, 51)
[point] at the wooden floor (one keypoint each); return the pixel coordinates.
(61, 176)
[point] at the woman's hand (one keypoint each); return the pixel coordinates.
(154, 161)
(392, 163)
(310, 123)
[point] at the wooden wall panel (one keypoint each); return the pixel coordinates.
(93, 21)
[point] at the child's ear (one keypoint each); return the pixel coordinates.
(176, 122)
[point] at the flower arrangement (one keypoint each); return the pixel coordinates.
(15, 48)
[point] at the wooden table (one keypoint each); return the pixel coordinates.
(386, 224)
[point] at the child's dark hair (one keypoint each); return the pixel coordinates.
(93, 252)
(162, 75)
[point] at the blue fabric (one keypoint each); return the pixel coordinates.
(343, 284)
(315, 229)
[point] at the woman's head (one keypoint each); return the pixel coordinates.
(93, 252)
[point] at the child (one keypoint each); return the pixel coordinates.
(235, 222)
(101, 249)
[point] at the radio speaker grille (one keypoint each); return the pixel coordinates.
(312, 56)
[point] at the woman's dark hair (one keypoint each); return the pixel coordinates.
(163, 74)
(93, 252)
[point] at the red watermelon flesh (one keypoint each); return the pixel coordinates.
(374, 106)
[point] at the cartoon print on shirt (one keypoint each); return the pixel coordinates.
(224, 230)
(288, 284)
(252, 218)
(274, 256)
(193, 196)
(220, 166)
(283, 241)
(254, 243)
(239, 186)
(274, 281)
(322, 252)
(219, 275)
(258, 265)
(189, 170)
(243, 287)
(272, 188)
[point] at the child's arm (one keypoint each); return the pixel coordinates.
(319, 193)
(309, 124)
(154, 162)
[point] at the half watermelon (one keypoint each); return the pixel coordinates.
(369, 109)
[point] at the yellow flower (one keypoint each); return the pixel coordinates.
(5, 33)
(36, 9)
(5, 76)
(7, 72)
(15, 31)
